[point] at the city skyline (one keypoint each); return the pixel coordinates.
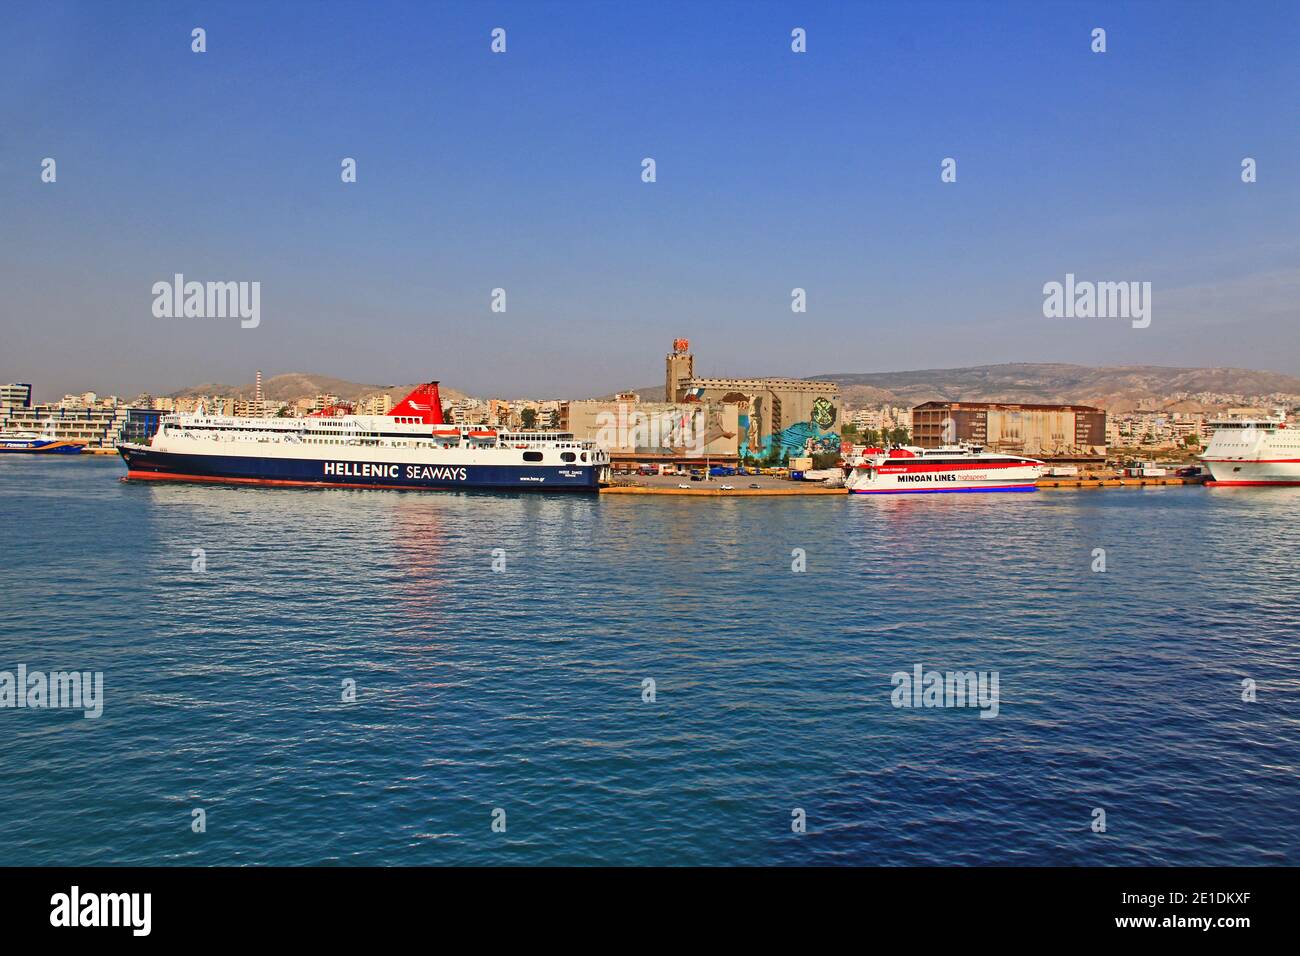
(1125, 386)
(775, 170)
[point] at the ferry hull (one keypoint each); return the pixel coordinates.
(146, 464)
(40, 447)
(1238, 473)
(924, 478)
(1253, 453)
(940, 491)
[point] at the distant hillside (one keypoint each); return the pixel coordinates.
(295, 385)
(1115, 388)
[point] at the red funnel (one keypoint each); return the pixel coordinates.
(423, 403)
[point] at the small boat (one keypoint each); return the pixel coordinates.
(44, 443)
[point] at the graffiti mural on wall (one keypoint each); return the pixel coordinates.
(817, 435)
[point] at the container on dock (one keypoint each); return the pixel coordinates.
(1144, 469)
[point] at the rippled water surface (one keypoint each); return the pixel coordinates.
(522, 689)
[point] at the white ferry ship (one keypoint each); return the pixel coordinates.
(411, 447)
(1253, 451)
(964, 467)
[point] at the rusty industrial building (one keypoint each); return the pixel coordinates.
(1060, 433)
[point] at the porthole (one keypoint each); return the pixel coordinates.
(532, 456)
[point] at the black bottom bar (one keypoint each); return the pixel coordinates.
(946, 906)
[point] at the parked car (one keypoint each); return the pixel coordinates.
(754, 484)
(727, 488)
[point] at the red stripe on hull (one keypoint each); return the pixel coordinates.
(897, 468)
(1255, 484)
(903, 489)
(276, 482)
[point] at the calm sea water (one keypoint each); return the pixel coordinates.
(522, 689)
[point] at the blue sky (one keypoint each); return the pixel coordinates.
(522, 171)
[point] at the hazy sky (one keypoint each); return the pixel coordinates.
(522, 170)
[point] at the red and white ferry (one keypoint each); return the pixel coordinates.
(410, 447)
(911, 470)
(1253, 451)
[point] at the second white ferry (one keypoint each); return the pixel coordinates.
(1253, 451)
(410, 447)
(908, 470)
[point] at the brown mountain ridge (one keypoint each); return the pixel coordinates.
(292, 386)
(1115, 388)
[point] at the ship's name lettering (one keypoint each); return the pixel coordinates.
(937, 476)
(441, 473)
(356, 469)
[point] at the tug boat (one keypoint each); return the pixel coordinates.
(410, 447)
(1253, 452)
(908, 469)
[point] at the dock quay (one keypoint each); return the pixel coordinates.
(780, 487)
(713, 491)
(1085, 481)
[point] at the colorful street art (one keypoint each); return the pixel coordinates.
(820, 433)
(816, 436)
